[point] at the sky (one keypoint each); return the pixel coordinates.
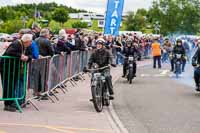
(98, 6)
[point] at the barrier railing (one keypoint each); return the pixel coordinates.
(48, 74)
(44, 76)
(13, 74)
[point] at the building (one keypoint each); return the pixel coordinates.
(87, 16)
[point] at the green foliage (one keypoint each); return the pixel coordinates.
(55, 26)
(181, 16)
(95, 26)
(130, 21)
(11, 26)
(123, 28)
(69, 23)
(60, 15)
(29, 23)
(79, 24)
(6, 13)
(135, 22)
(10, 14)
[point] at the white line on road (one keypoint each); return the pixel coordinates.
(115, 121)
(164, 72)
(145, 75)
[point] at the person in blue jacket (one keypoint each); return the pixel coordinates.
(35, 50)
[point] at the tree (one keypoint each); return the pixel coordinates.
(136, 22)
(129, 21)
(60, 15)
(55, 27)
(79, 24)
(11, 13)
(11, 26)
(6, 13)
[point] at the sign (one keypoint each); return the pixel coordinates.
(113, 17)
(101, 24)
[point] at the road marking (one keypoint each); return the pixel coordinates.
(164, 72)
(171, 75)
(115, 121)
(60, 130)
(57, 127)
(159, 75)
(145, 75)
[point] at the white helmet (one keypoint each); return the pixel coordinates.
(100, 41)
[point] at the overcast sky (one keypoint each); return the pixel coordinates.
(91, 5)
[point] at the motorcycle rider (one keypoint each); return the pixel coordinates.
(102, 57)
(195, 61)
(178, 49)
(129, 50)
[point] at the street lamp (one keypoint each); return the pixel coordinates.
(24, 20)
(157, 27)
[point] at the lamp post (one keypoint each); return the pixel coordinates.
(24, 20)
(157, 27)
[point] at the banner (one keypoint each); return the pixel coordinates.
(113, 17)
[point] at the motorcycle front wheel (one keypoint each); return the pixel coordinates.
(97, 97)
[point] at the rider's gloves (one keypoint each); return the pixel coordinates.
(171, 56)
(85, 69)
(194, 64)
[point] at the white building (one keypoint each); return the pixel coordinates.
(87, 16)
(98, 16)
(74, 15)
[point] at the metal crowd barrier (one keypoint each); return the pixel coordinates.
(48, 74)
(75, 63)
(41, 77)
(83, 60)
(13, 82)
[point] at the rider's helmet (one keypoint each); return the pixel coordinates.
(166, 39)
(179, 42)
(129, 42)
(100, 43)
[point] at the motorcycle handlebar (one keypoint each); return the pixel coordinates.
(101, 68)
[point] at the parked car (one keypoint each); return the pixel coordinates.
(4, 37)
(14, 36)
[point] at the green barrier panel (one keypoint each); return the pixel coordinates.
(13, 74)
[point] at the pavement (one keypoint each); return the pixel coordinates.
(73, 113)
(157, 102)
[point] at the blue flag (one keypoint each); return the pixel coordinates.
(113, 17)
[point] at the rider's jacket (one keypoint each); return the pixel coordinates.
(129, 51)
(102, 57)
(178, 50)
(196, 57)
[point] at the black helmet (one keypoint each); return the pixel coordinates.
(129, 41)
(179, 40)
(166, 39)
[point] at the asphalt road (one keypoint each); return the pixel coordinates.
(158, 103)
